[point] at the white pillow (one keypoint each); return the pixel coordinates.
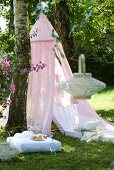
(24, 134)
(88, 125)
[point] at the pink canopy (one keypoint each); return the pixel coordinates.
(44, 99)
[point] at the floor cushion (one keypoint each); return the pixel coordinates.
(26, 145)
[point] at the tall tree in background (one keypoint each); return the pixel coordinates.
(17, 114)
(61, 23)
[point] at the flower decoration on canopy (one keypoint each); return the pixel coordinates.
(34, 67)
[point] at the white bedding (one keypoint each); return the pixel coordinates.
(24, 143)
(66, 122)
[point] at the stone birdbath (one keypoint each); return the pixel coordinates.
(82, 85)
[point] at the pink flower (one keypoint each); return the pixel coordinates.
(6, 63)
(4, 90)
(12, 88)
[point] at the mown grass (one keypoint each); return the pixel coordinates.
(75, 154)
(103, 103)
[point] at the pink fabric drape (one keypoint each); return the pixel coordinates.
(64, 102)
(44, 96)
(41, 87)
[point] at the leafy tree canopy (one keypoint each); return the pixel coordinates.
(91, 26)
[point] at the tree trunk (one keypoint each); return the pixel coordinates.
(17, 113)
(11, 17)
(62, 26)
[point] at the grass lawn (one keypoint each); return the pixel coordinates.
(75, 154)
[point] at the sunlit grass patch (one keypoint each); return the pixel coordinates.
(103, 100)
(68, 148)
(1, 108)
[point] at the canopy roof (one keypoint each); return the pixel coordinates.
(42, 30)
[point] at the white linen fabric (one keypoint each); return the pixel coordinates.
(24, 143)
(25, 134)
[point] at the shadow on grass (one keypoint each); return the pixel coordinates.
(108, 115)
(107, 89)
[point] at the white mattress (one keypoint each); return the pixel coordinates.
(25, 145)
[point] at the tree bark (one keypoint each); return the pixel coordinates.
(61, 24)
(17, 113)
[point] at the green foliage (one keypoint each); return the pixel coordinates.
(7, 37)
(92, 26)
(6, 44)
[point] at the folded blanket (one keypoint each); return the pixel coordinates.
(92, 135)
